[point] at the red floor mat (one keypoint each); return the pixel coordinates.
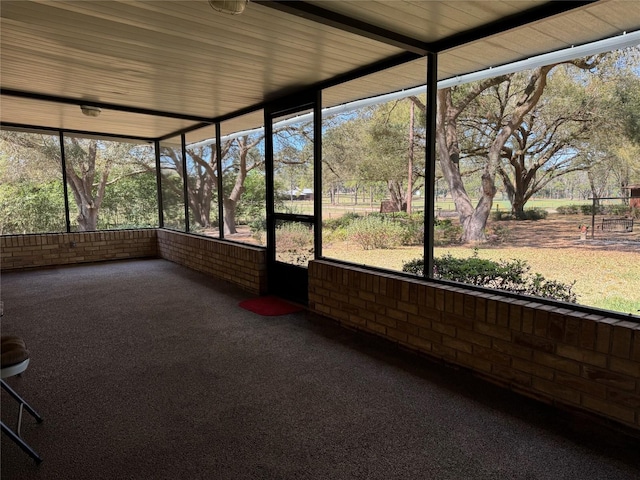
(269, 306)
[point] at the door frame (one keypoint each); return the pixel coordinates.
(287, 280)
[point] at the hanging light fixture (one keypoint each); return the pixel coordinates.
(231, 7)
(90, 110)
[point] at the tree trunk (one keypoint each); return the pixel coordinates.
(81, 187)
(203, 215)
(517, 207)
(515, 192)
(594, 190)
(200, 202)
(474, 225)
(448, 156)
(473, 228)
(230, 216)
(87, 218)
(395, 192)
(231, 202)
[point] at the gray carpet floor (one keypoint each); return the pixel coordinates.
(147, 370)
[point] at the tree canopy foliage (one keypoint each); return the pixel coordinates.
(92, 168)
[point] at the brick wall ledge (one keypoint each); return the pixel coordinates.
(54, 249)
(241, 264)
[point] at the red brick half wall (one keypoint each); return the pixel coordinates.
(242, 265)
(52, 249)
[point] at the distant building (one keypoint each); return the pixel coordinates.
(295, 194)
(634, 193)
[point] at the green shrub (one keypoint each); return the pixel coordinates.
(335, 235)
(499, 233)
(382, 216)
(331, 223)
(445, 232)
(373, 232)
(579, 209)
(412, 232)
(415, 266)
(499, 215)
(535, 213)
(341, 222)
(294, 243)
(31, 208)
(409, 227)
(397, 215)
(588, 209)
(507, 275)
(348, 217)
(293, 235)
(258, 225)
(568, 209)
(618, 210)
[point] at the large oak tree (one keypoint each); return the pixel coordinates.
(467, 126)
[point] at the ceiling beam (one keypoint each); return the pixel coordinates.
(504, 24)
(107, 106)
(347, 24)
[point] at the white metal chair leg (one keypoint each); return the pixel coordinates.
(15, 359)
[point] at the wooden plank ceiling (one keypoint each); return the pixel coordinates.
(190, 63)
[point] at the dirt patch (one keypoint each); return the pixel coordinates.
(561, 231)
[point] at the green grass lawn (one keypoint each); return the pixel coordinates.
(604, 279)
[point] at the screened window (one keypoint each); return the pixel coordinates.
(172, 178)
(527, 163)
(202, 184)
(373, 163)
(31, 188)
(243, 178)
(110, 184)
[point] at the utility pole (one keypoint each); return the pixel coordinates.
(410, 181)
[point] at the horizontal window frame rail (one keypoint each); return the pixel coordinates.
(51, 130)
(220, 239)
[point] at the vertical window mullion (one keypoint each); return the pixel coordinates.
(219, 182)
(65, 189)
(430, 161)
(185, 188)
(269, 194)
(317, 174)
(156, 146)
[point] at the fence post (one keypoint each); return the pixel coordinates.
(593, 217)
